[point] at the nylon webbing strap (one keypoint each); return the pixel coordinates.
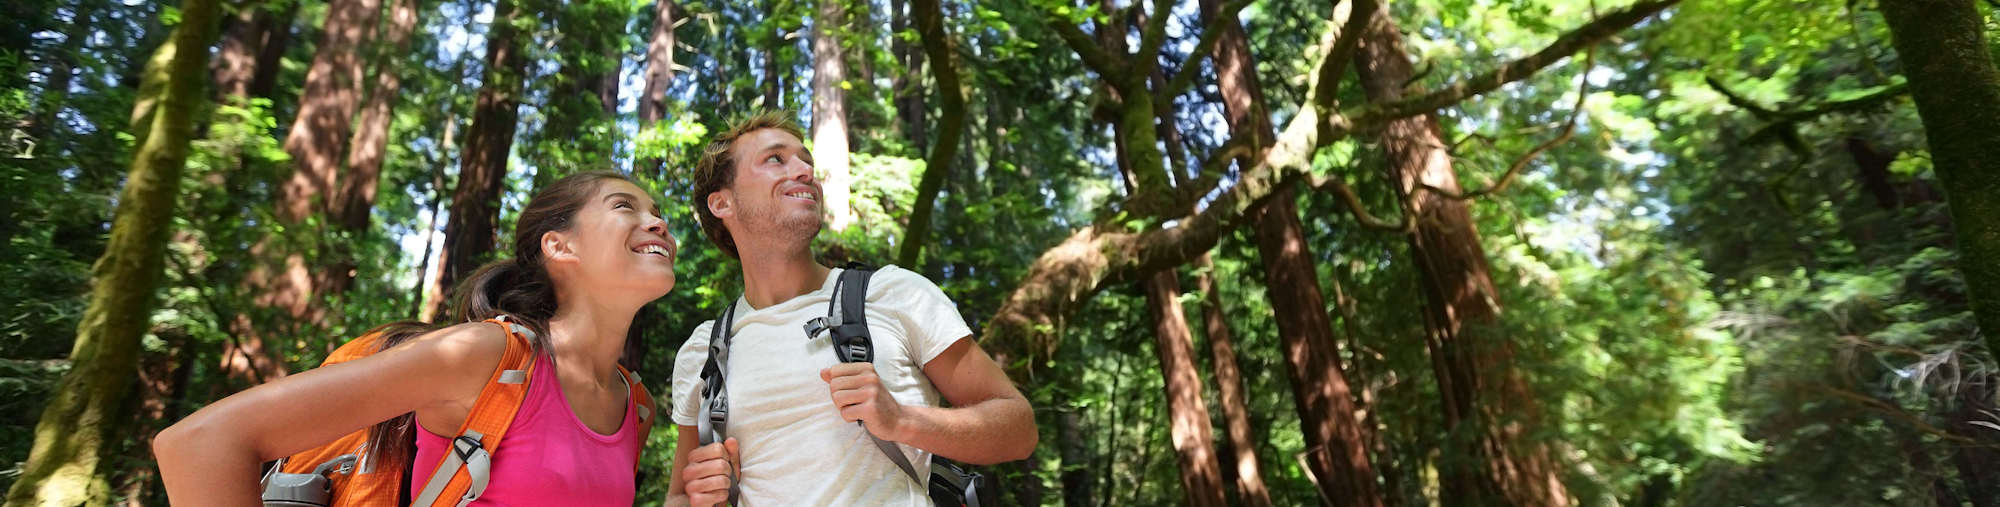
(853, 344)
(463, 474)
(712, 425)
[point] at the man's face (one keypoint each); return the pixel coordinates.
(775, 200)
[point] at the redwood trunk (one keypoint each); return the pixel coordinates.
(1243, 467)
(829, 110)
(1201, 473)
(659, 76)
(1487, 405)
(469, 233)
(1336, 440)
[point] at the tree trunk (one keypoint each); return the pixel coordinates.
(908, 85)
(1487, 405)
(1245, 470)
(659, 76)
(241, 61)
(1324, 399)
(371, 141)
(80, 422)
(1073, 446)
(317, 139)
(469, 233)
(1194, 443)
(951, 124)
(1957, 90)
(774, 79)
(829, 110)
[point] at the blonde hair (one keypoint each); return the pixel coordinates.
(717, 170)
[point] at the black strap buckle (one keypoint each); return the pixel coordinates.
(465, 446)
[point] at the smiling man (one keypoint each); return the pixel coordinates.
(792, 437)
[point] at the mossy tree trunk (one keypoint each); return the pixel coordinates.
(81, 419)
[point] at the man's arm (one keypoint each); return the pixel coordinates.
(989, 420)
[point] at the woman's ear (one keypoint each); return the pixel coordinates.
(722, 203)
(556, 247)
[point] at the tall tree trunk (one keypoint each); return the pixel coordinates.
(908, 86)
(951, 124)
(1244, 468)
(1320, 389)
(469, 233)
(80, 422)
(1942, 45)
(1074, 449)
(659, 76)
(284, 286)
(1187, 410)
(318, 137)
(242, 61)
(829, 110)
(1194, 443)
(1487, 405)
(774, 78)
(371, 140)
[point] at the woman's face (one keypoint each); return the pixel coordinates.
(617, 242)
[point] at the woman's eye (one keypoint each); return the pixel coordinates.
(621, 204)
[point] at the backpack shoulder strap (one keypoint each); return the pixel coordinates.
(466, 468)
(853, 343)
(712, 425)
(642, 399)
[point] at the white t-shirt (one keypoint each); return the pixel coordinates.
(796, 448)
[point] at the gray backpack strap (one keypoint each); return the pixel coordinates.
(712, 425)
(847, 318)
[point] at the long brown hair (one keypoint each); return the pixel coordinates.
(518, 287)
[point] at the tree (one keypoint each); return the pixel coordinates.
(1957, 90)
(660, 68)
(469, 233)
(1487, 405)
(78, 429)
(829, 109)
(951, 124)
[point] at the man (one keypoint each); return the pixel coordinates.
(791, 433)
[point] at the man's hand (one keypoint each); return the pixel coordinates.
(859, 395)
(711, 469)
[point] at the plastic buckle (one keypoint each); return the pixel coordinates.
(466, 447)
(816, 326)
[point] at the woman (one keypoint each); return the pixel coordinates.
(589, 251)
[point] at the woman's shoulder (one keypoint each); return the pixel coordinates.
(471, 346)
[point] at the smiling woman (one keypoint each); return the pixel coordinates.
(589, 251)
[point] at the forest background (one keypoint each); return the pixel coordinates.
(1250, 252)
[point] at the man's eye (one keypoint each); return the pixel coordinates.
(774, 159)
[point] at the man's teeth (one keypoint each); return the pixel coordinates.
(803, 195)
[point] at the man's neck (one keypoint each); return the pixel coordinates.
(779, 275)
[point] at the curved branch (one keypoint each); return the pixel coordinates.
(1520, 163)
(1094, 56)
(1568, 44)
(1211, 34)
(1152, 36)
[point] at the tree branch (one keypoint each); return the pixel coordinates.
(1347, 39)
(1093, 56)
(1568, 131)
(1568, 44)
(1211, 34)
(1152, 36)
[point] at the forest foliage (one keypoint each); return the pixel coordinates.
(1721, 255)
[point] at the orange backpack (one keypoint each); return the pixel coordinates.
(338, 473)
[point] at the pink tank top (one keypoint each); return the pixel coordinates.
(548, 456)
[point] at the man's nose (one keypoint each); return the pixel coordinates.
(799, 169)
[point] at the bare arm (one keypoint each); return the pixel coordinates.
(212, 456)
(989, 420)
